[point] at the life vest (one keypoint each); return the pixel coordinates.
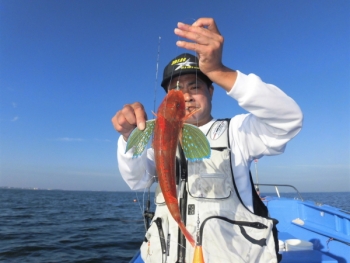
(213, 211)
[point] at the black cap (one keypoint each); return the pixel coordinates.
(182, 65)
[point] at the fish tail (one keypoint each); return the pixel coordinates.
(198, 255)
(187, 234)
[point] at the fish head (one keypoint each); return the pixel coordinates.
(173, 105)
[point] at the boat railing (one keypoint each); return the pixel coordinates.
(282, 185)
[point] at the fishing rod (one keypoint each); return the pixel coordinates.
(147, 214)
(156, 80)
(257, 177)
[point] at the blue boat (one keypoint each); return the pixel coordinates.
(308, 232)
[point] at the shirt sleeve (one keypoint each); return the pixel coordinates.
(138, 173)
(274, 118)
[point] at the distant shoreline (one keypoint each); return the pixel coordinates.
(53, 189)
(133, 191)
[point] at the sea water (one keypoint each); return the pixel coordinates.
(83, 226)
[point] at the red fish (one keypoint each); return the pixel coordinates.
(170, 119)
(169, 127)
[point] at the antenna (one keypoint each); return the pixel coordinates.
(156, 81)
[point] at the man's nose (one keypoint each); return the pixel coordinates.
(187, 96)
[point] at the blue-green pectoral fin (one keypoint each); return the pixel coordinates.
(194, 143)
(139, 139)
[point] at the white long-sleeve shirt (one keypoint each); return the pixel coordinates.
(273, 120)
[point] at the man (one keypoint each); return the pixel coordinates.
(219, 191)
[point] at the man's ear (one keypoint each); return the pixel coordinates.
(211, 90)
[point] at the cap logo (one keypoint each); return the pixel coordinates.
(178, 60)
(181, 64)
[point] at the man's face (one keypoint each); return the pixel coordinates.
(197, 96)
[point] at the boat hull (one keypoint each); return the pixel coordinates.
(327, 229)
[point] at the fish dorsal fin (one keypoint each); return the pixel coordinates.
(139, 139)
(194, 143)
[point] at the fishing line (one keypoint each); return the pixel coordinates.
(177, 51)
(196, 166)
(191, 92)
(197, 163)
(146, 212)
(143, 206)
(142, 209)
(173, 243)
(197, 58)
(137, 198)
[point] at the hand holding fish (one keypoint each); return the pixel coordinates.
(130, 116)
(207, 42)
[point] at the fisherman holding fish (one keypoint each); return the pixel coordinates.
(218, 205)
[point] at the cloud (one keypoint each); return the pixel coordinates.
(14, 104)
(323, 166)
(102, 140)
(91, 173)
(15, 118)
(67, 139)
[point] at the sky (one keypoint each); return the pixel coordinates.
(66, 67)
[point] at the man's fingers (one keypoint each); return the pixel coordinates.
(121, 124)
(195, 34)
(135, 115)
(202, 38)
(127, 116)
(130, 116)
(203, 26)
(140, 115)
(188, 45)
(208, 23)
